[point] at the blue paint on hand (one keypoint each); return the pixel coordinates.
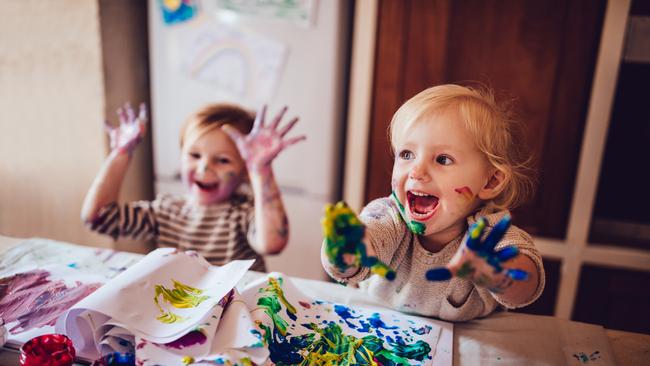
(438, 274)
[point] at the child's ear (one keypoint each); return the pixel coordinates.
(494, 185)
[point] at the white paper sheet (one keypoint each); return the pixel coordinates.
(129, 302)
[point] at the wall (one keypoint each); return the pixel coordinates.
(53, 100)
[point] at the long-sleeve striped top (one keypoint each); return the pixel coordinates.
(219, 232)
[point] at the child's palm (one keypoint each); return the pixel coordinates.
(130, 131)
(264, 142)
(478, 261)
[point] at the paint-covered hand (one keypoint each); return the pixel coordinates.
(264, 142)
(126, 136)
(478, 261)
(343, 233)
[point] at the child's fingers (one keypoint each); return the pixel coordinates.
(121, 115)
(474, 234)
(292, 141)
(496, 234)
(232, 132)
(439, 274)
(288, 127)
(259, 120)
(507, 253)
(517, 274)
(130, 115)
(142, 114)
(278, 118)
(383, 270)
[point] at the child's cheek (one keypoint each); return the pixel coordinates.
(229, 180)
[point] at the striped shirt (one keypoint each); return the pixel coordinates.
(219, 232)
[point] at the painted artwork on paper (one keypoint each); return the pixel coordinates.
(182, 296)
(178, 11)
(301, 331)
(152, 305)
(242, 65)
(40, 279)
(299, 12)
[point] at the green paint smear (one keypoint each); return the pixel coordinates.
(344, 233)
(416, 227)
(328, 345)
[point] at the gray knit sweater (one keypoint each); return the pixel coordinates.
(454, 300)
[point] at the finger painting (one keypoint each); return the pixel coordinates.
(301, 331)
(181, 297)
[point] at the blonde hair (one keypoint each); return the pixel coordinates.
(213, 116)
(490, 125)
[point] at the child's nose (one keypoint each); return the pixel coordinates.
(418, 172)
(203, 166)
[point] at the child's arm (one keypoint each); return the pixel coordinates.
(504, 272)
(105, 188)
(258, 149)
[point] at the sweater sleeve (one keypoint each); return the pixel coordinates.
(135, 220)
(384, 231)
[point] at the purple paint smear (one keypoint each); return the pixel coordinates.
(34, 301)
(188, 340)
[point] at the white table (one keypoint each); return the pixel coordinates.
(500, 339)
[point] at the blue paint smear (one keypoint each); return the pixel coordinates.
(376, 322)
(346, 313)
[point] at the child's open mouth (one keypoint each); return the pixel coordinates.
(208, 187)
(421, 205)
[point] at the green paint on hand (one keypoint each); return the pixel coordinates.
(343, 232)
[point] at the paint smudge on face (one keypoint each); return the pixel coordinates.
(344, 233)
(35, 301)
(416, 227)
(466, 193)
(584, 358)
(326, 344)
(181, 297)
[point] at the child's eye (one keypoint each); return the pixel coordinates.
(221, 160)
(444, 160)
(405, 155)
(195, 155)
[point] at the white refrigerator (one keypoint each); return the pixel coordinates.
(297, 59)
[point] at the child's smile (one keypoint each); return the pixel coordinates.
(421, 205)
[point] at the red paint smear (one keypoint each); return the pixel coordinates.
(466, 192)
(34, 301)
(188, 340)
(304, 305)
